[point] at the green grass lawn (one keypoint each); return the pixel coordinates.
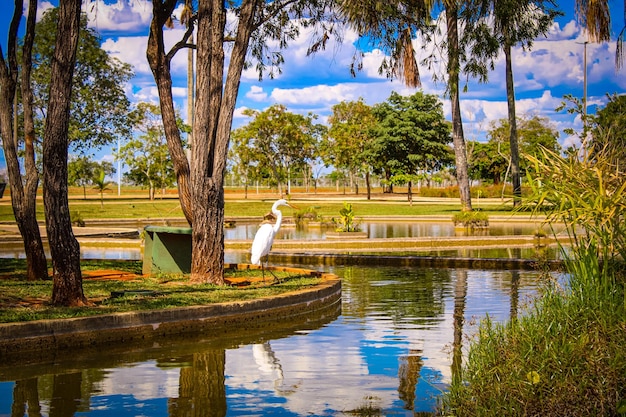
(22, 300)
(143, 208)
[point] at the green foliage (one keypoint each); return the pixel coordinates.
(275, 142)
(493, 26)
(99, 106)
(100, 184)
(588, 195)
(412, 135)
(566, 356)
(490, 161)
(471, 219)
(348, 144)
(306, 215)
(147, 155)
(608, 127)
(76, 218)
(83, 171)
(346, 221)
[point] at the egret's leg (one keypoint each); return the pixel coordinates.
(267, 260)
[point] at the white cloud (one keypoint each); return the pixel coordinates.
(129, 49)
(42, 7)
(123, 16)
(315, 83)
(256, 93)
(238, 114)
(570, 30)
(315, 94)
(146, 93)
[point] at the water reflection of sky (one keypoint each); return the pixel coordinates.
(389, 350)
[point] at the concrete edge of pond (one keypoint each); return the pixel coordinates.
(42, 338)
(415, 261)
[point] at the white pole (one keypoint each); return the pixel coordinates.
(119, 169)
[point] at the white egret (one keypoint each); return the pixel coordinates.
(264, 237)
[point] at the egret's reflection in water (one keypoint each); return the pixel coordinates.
(390, 350)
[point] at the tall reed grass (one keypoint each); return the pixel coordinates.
(566, 355)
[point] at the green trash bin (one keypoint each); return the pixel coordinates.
(167, 250)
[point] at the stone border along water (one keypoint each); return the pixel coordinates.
(414, 261)
(41, 339)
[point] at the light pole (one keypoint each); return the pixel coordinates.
(585, 83)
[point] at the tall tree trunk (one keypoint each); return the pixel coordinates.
(510, 98)
(159, 63)
(409, 192)
(190, 92)
(458, 140)
(23, 189)
(214, 107)
(368, 185)
(67, 287)
(35, 255)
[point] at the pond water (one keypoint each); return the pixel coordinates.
(383, 230)
(389, 350)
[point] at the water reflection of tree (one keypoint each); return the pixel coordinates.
(460, 294)
(201, 387)
(515, 278)
(66, 389)
(26, 397)
(408, 373)
(416, 295)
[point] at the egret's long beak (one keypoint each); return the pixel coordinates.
(292, 206)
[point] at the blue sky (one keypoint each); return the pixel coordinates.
(553, 68)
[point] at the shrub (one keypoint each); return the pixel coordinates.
(564, 358)
(471, 219)
(346, 223)
(306, 215)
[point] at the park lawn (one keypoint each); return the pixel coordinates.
(118, 286)
(143, 208)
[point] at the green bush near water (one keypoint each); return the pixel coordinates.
(471, 219)
(566, 356)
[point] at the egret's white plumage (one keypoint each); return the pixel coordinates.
(264, 237)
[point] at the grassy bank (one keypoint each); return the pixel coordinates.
(326, 205)
(21, 300)
(566, 356)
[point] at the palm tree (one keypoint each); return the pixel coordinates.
(392, 23)
(101, 185)
(493, 25)
(595, 16)
(458, 138)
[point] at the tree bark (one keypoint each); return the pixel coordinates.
(214, 109)
(514, 143)
(67, 287)
(458, 139)
(159, 63)
(23, 189)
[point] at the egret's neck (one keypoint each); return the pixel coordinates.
(279, 219)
